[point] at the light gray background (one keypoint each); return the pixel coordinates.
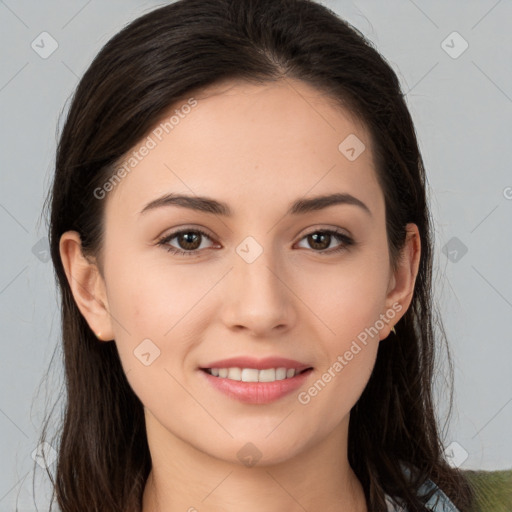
(462, 108)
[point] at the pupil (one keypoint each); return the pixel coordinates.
(190, 241)
(316, 243)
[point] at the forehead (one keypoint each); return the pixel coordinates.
(248, 145)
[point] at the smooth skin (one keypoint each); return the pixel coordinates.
(257, 148)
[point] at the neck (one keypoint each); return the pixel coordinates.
(185, 479)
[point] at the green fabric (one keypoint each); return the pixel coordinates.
(493, 490)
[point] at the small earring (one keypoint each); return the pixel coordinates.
(393, 330)
(98, 335)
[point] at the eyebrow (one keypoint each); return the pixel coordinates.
(208, 205)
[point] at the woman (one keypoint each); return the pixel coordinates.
(241, 237)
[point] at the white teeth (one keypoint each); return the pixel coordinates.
(280, 373)
(254, 375)
(235, 374)
(249, 375)
(268, 375)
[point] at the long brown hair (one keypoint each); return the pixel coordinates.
(103, 456)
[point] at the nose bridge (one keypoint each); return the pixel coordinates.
(258, 269)
(257, 297)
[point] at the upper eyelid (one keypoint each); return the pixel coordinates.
(174, 234)
(204, 232)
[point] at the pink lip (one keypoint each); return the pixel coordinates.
(255, 392)
(258, 364)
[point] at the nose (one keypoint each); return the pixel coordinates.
(258, 297)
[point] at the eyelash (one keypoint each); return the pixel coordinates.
(347, 241)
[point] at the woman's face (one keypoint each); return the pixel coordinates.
(256, 286)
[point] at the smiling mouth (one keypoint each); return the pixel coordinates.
(255, 375)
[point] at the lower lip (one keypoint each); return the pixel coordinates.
(257, 392)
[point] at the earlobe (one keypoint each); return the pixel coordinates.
(87, 285)
(404, 278)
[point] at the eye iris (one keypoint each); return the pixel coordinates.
(315, 236)
(187, 236)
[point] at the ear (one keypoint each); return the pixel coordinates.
(401, 285)
(87, 285)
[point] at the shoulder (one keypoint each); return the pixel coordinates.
(438, 502)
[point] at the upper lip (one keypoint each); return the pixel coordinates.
(259, 364)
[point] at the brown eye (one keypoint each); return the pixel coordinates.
(320, 241)
(189, 241)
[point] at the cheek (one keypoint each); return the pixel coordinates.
(154, 330)
(352, 313)
(347, 298)
(346, 367)
(148, 300)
